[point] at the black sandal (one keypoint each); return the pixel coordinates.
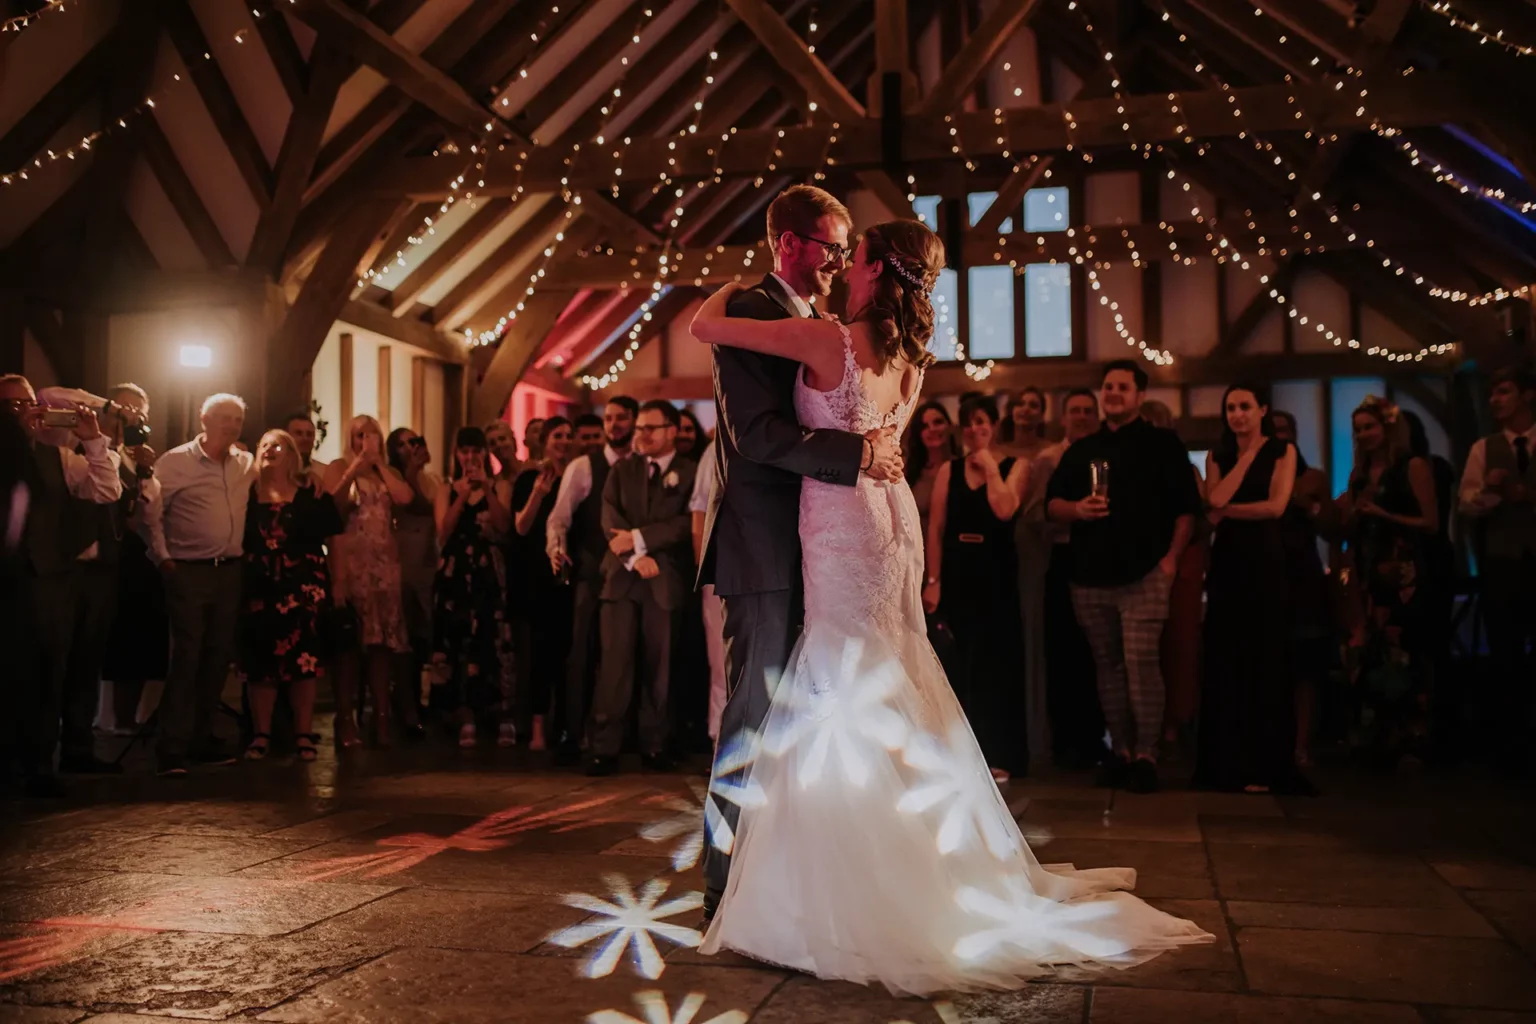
(308, 745)
(260, 744)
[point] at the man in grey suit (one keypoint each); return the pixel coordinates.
(752, 529)
(645, 587)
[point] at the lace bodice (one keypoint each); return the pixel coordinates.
(863, 545)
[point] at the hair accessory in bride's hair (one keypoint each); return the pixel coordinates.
(906, 274)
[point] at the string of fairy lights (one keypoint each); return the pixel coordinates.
(572, 201)
(17, 22)
(1287, 303)
(1473, 26)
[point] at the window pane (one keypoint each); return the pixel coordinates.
(1345, 394)
(946, 315)
(1048, 309)
(991, 299)
(1045, 209)
(979, 203)
(927, 208)
(1303, 399)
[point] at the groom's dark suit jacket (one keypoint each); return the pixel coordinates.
(752, 531)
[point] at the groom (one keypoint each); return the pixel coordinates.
(752, 529)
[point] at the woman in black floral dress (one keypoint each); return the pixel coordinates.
(474, 635)
(287, 585)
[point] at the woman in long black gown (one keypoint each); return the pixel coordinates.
(1247, 706)
(973, 583)
(540, 602)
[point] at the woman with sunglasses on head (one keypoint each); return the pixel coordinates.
(286, 589)
(539, 600)
(366, 568)
(473, 650)
(416, 537)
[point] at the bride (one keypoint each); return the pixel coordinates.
(873, 843)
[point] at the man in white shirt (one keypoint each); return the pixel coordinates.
(576, 544)
(53, 538)
(195, 525)
(1498, 490)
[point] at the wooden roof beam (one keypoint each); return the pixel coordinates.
(283, 50)
(192, 45)
(795, 57)
(419, 79)
(481, 223)
(157, 152)
(1421, 99)
(496, 272)
(47, 116)
(977, 54)
(329, 68)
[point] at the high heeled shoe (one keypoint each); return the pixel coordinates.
(346, 736)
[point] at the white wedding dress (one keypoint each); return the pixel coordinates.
(873, 843)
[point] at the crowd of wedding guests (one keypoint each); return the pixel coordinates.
(1237, 615)
(1098, 601)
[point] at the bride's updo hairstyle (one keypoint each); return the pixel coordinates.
(899, 308)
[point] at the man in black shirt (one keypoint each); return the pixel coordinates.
(1126, 544)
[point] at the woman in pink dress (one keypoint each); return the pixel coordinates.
(366, 571)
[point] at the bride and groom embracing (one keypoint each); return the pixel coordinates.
(855, 828)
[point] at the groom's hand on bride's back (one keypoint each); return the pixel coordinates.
(882, 456)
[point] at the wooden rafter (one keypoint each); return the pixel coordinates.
(1236, 334)
(157, 152)
(301, 144)
(320, 301)
(1420, 99)
(413, 75)
(513, 352)
(371, 317)
(192, 45)
(1009, 195)
(968, 66)
(494, 273)
(794, 56)
(428, 271)
(284, 53)
(47, 116)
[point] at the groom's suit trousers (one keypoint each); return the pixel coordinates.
(760, 632)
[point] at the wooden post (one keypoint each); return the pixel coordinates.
(419, 393)
(386, 389)
(345, 357)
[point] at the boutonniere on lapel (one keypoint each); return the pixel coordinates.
(670, 481)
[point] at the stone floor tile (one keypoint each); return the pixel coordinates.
(1163, 870)
(1488, 874)
(803, 999)
(1485, 973)
(1150, 1006)
(1449, 920)
(454, 920)
(46, 1015)
(1309, 874)
(437, 986)
(208, 977)
(1044, 820)
(1211, 967)
(1179, 803)
(1513, 912)
(234, 905)
(332, 827)
(1226, 828)
(25, 851)
(27, 950)
(502, 870)
(1481, 1017)
(186, 854)
(201, 817)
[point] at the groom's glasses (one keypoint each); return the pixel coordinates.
(833, 251)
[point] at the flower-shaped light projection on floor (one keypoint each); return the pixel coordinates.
(493, 832)
(654, 1009)
(1017, 918)
(629, 919)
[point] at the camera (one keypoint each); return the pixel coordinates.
(135, 434)
(64, 419)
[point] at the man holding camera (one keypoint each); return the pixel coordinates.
(53, 541)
